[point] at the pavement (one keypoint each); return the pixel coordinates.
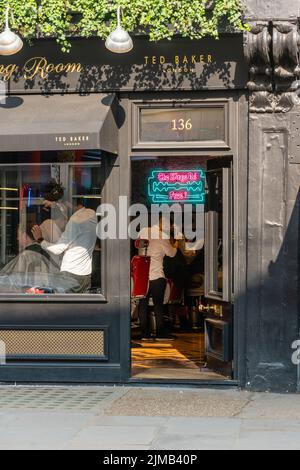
(124, 418)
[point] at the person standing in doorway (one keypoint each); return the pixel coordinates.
(159, 247)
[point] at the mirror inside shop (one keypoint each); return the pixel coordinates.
(181, 315)
(48, 223)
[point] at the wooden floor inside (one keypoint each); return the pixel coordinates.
(181, 359)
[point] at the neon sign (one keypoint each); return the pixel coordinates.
(186, 186)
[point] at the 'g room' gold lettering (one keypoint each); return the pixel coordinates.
(40, 66)
(7, 71)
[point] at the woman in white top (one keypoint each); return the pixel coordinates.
(53, 228)
(159, 247)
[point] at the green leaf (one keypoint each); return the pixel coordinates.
(160, 19)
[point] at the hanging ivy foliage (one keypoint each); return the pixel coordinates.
(160, 19)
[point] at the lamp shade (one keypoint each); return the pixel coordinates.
(10, 43)
(119, 41)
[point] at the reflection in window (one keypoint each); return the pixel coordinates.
(48, 204)
(215, 206)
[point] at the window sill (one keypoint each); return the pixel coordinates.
(56, 298)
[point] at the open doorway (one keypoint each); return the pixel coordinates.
(198, 299)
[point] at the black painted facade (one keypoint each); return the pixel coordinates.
(255, 75)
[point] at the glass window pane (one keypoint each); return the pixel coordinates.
(215, 207)
(48, 220)
(182, 124)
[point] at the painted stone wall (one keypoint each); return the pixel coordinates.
(273, 253)
(273, 9)
(272, 323)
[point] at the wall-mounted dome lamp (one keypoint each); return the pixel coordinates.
(10, 42)
(119, 40)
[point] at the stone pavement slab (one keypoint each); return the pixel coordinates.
(104, 437)
(269, 405)
(38, 430)
(207, 427)
(198, 434)
(182, 442)
(273, 434)
(268, 441)
(100, 420)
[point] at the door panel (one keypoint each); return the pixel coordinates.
(218, 267)
(218, 235)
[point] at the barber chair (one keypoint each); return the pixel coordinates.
(140, 267)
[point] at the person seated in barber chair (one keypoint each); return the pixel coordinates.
(76, 244)
(159, 247)
(32, 261)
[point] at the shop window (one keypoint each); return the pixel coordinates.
(48, 206)
(174, 124)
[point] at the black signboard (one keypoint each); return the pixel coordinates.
(89, 67)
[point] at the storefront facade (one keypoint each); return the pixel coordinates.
(91, 117)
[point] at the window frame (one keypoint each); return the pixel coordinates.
(66, 298)
(138, 105)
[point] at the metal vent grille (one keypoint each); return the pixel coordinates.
(50, 344)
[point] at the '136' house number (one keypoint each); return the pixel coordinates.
(182, 125)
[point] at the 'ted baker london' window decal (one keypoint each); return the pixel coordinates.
(186, 186)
